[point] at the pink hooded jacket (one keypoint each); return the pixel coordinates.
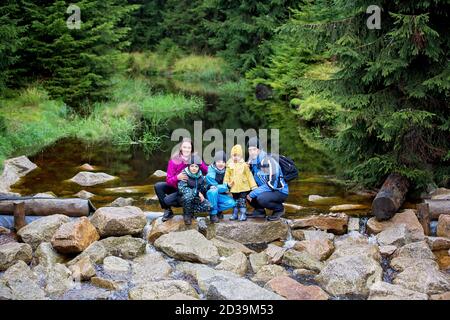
(175, 166)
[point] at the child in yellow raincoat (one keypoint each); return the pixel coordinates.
(240, 182)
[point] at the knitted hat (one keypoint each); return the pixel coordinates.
(237, 149)
(195, 159)
(220, 156)
(253, 142)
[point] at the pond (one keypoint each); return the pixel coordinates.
(223, 110)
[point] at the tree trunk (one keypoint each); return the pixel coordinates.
(45, 207)
(19, 215)
(438, 207)
(390, 197)
(423, 214)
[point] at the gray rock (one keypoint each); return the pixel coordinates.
(119, 221)
(83, 194)
(257, 260)
(305, 234)
(114, 265)
(386, 291)
(23, 282)
(42, 229)
(13, 170)
(122, 202)
(301, 260)
(159, 174)
(47, 256)
(415, 250)
(57, 277)
(268, 272)
(83, 270)
(150, 267)
(438, 243)
(109, 284)
(5, 292)
(88, 179)
(236, 263)
(161, 290)
(227, 247)
(12, 252)
(422, 278)
(188, 245)
(397, 235)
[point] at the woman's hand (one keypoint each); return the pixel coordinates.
(202, 197)
(182, 176)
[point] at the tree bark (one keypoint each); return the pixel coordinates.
(45, 207)
(438, 207)
(390, 197)
(423, 214)
(19, 215)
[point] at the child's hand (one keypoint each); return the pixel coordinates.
(182, 176)
(231, 183)
(202, 197)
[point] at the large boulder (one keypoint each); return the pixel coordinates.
(320, 249)
(228, 247)
(293, 290)
(386, 291)
(355, 244)
(397, 235)
(74, 236)
(301, 260)
(119, 221)
(252, 232)
(154, 262)
(88, 179)
(42, 229)
(353, 274)
(407, 217)
(161, 290)
(443, 227)
(13, 170)
(336, 222)
(57, 279)
(47, 256)
(268, 272)
(188, 245)
(224, 285)
(158, 227)
(236, 263)
(422, 278)
(23, 283)
(12, 252)
(438, 243)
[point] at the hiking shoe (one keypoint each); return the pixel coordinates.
(213, 218)
(187, 219)
(168, 214)
(275, 216)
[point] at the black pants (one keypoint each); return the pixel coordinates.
(167, 195)
(272, 200)
(240, 198)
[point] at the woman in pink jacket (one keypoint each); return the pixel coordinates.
(167, 192)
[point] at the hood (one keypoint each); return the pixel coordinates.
(192, 175)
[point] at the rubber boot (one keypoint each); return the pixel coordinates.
(234, 216)
(243, 216)
(187, 219)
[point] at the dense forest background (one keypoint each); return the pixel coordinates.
(375, 101)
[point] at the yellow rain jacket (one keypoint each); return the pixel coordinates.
(239, 173)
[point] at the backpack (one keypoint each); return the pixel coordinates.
(288, 168)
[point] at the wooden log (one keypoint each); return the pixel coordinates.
(423, 214)
(19, 215)
(438, 207)
(47, 206)
(390, 197)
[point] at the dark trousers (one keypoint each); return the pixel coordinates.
(167, 195)
(272, 200)
(239, 197)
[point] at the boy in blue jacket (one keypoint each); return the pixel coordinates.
(217, 190)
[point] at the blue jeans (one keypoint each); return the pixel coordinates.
(219, 201)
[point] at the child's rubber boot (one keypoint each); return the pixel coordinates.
(213, 218)
(187, 219)
(234, 216)
(243, 216)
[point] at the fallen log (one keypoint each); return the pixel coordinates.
(390, 197)
(72, 207)
(438, 207)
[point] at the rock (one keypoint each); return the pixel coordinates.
(150, 199)
(114, 265)
(443, 227)
(236, 263)
(335, 224)
(301, 260)
(397, 235)
(353, 274)
(275, 253)
(58, 279)
(13, 170)
(48, 194)
(83, 270)
(438, 243)
(23, 283)
(415, 250)
(268, 272)
(350, 239)
(353, 224)
(158, 228)
(227, 247)
(303, 234)
(224, 285)
(319, 249)
(407, 217)
(159, 290)
(88, 179)
(74, 236)
(112, 221)
(348, 207)
(400, 264)
(12, 252)
(368, 250)
(83, 194)
(421, 278)
(47, 256)
(5, 292)
(252, 232)
(188, 245)
(180, 296)
(88, 292)
(125, 247)
(108, 283)
(304, 272)
(386, 251)
(293, 290)
(121, 202)
(257, 260)
(159, 267)
(440, 194)
(159, 174)
(293, 207)
(317, 198)
(443, 259)
(42, 229)
(86, 167)
(4, 230)
(385, 291)
(442, 296)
